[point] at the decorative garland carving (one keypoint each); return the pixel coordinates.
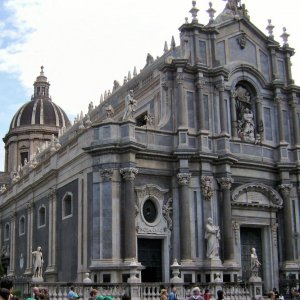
(274, 227)
(167, 211)
(206, 186)
(236, 230)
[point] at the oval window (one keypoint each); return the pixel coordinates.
(149, 211)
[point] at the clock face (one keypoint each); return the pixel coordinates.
(149, 211)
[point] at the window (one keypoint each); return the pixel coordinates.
(7, 231)
(24, 157)
(22, 226)
(149, 211)
(141, 120)
(42, 217)
(67, 206)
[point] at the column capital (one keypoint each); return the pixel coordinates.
(107, 174)
(184, 178)
(129, 173)
(285, 190)
(225, 182)
(278, 100)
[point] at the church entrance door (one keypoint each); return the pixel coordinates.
(150, 256)
(250, 238)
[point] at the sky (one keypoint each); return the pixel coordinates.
(84, 45)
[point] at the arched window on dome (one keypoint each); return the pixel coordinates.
(24, 154)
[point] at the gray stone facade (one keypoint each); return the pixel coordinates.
(215, 133)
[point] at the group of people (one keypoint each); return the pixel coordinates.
(196, 294)
(95, 295)
(6, 290)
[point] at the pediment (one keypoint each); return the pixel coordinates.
(256, 194)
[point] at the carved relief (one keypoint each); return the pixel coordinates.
(236, 230)
(184, 178)
(274, 227)
(167, 211)
(206, 187)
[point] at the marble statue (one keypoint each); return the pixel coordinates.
(254, 263)
(130, 106)
(212, 235)
(38, 262)
(246, 126)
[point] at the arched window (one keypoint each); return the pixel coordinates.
(22, 226)
(42, 217)
(7, 232)
(67, 206)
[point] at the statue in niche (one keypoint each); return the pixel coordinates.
(38, 262)
(212, 235)
(254, 263)
(246, 126)
(130, 106)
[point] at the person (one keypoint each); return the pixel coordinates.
(172, 294)
(7, 284)
(4, 294)
(36, 292)
(125, 297)
(72, 294)
(220, 295)
(276, 293)
(163, 294)
(212, 235)
(196, 295)
(207, 295)
(93, 294)
(38, 262)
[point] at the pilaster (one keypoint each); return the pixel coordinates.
(185, 218)
(130, 243)
(225, 184)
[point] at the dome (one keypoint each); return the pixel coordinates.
(40, 112)
(33, 126)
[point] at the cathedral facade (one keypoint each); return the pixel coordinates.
(205, 137)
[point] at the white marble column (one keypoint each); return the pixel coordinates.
(12, 248)
(52, 232)
(29, 210)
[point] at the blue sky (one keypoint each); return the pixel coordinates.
(85, 45)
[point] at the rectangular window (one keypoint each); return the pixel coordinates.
(202, 49)
(268, 124)
(24, 156)
(191, 109)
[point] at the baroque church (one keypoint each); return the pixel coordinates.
(205, 135)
